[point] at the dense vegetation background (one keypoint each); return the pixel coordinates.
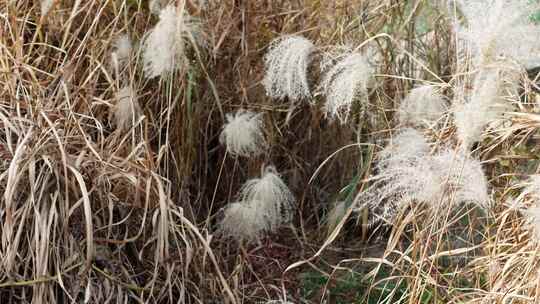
(102, 206)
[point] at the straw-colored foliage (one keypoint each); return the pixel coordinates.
(186, 151)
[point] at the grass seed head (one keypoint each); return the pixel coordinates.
(46, 6)
(287, 63)
(243, 221)
(349, 78)
(127, 110)
(243, 134)
(122, 52)
(423, 105)
(272, 197)
(500, 28)
(165, 46)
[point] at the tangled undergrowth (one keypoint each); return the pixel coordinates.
(269, 151)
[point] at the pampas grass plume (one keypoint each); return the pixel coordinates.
(406, 146)
(500, 27)
(275, 199)
(423, 105)
(408, 173)
(530, 192)
(485, 105)
(335, 215)
(243, 134)
(342, 83)
(266, 204)
(243, 221)
(463, 178)
(127, 110)
(286, 68)
(164, 48)
(122, 52)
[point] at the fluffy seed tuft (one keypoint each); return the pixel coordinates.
(342, 83)
(122, 52)
(243, 221)
(46, 6)
(243, 134)
(266, 204)
(165, 46)
(286, 68)
(409, 173)
(127, 110)
(492, 89)
(500, 28)
(424, 105)
(531, 192)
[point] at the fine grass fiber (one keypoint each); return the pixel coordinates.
(269, 151)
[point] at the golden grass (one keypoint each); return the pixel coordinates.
(95, 213)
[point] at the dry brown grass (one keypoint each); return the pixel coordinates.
(94, 213)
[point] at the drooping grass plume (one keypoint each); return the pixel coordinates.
(424, 105)
(155, 6)
(407, 173)
(165, 46)
(122, 52)
(335, 215)
(493, 90)
(272, 194)
(266, 203)
(532, 215)
(244, 221)
(127, 110)
(528, 202)
(243, 134)
(343, 82)
(286, 64)
(407, 145)
(500, 27)
(463, 178)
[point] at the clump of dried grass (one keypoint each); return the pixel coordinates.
(85, 216)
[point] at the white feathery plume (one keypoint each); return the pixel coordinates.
(164, 47)
(243, 221)
(155, 6)
(418, 176)
(266, 204)
(500, 28)
(46, 6)
(243, 134)
(342, 83)
(271, 196)
(533, 218)
(463, 178)
(408, 145)
(423, 105)
(531, 191)
(122, 52)
(286, 64)
(335, 215)
(127, 110)
(491, 89)
(401, 175)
